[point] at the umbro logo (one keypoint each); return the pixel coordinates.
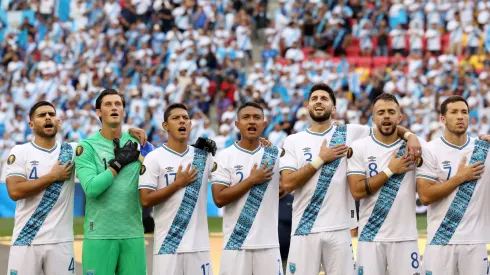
(371, 158)
(446, 163)
(169, 169)
(238, 167)
(34, 163)
(307, 149)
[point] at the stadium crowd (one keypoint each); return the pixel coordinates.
(200, 53)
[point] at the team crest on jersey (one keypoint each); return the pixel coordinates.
(238, 167)
(13, 272)
(371, 159)
(283, 152)
(420, 161)
(169, 169)
(350, 151)
(79, 150)
(142, 170)
(215, 166)
(360, 271)
(11, 159)
(292, 267)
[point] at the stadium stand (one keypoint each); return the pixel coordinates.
(201, 53)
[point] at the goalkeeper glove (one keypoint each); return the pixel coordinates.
(206, 144)
(125, 155)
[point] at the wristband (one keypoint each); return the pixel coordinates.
(317, 162)
(406, 135)
(388, 172)
(114, 164)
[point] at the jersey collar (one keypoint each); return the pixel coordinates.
(385, 145)
(455, 146)
(320, 134)
(44, 150)
(247, 151)
(175, 153)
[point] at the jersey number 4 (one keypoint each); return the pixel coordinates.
(33, 174)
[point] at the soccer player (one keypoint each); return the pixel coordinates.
(321, 218)
(384, 181)
(453, 182)
(107, 166)
(174, 179)
(40, 178)
(246, 184)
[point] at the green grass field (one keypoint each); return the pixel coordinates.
(215, 225)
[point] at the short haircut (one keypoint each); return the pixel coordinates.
(386, 97)
(324, 87)
(250, 104)
(98, 102)
(37, 105)
(171, 107)
(452, 99)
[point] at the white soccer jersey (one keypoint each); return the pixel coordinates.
(463, 217)
(47, 217)
(258, 206)
(181, 223)
(326, 204)
(379, 213)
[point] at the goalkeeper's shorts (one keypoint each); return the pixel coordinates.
(120, 257)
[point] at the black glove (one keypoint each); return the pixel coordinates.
(124, 156)
(206, 144)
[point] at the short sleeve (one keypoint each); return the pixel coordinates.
(355, 165)
(221, 173)
(15, 163)
(357, 131)
(427, 166)
(149, 173)
(288, 160)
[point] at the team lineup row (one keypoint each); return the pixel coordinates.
(327, 167)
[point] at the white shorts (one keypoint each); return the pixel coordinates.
(183, 264)
(456, 259)
(247, 262)
(375, 258)
(332, 249)
(54, 259)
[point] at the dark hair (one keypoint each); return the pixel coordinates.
(98, 102)
(250, 104)
(37, 105)
(169, 109)
(386, 97)
(324, 87)
(452, 99)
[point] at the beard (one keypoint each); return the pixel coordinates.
(457, 131)
(390, 130)
(320, 118)
(40, 132)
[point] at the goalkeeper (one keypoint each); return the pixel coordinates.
(106, 164)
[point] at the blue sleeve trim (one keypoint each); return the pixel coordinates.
(356, 173)
(220, 182)
(288, 168)
(16, 174)
(147, 187)
(426, 177)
